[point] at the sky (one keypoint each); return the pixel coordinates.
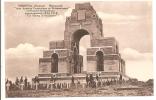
(129, 22)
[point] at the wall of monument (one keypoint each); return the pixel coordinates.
(109, 41)
(106, 57)
(91, 66)
(63, 67)
(44, 67)
(105, 50)
(111, 65)
(60, 52)
(56, 44)
(93, 26)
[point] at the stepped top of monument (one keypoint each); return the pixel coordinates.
(83, 6)
(82, 11)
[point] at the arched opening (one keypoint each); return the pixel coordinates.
(99, 61)
(76, 38)
(54, 63)
(75, 47)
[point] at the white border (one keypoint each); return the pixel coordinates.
(69, 98)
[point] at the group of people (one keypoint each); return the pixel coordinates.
(18, 84)
(91, 81)
(96, 81)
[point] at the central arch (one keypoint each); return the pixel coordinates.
(75, 42)
(76, 37)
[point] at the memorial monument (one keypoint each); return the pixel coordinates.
(63, 59)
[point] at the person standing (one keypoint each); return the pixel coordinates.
(51, 82)
(17, 82)
(36, 81)
(21, 83)
(25, 82)
(72, 79)
(97, 77)
(7, 85)
(87, 79)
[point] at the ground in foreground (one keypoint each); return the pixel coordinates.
(113, 90)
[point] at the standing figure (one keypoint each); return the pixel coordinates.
(7, 85)
(72, 79)
(17, 82)
(52, 82)
(120, 79)
(87, 79)
(36, 81)
(92, 82)
(97, 77)
(21, 83)
(25, 82)
(91, 78)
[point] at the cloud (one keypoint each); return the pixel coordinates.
(23, 60)
(138, 65)
(132, 54)
(24, 50)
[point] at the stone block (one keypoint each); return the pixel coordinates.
(91, 58)
(44, 60)
(109, 41)
(44, 66)
(107, 50)
(62, 52)
(60, 44)
(92, 51)
(67, 44)
(62, 67)
(111, 65)
(111, 57)
(48, 53)
(91, 66)
(52, 45)
(56, 44)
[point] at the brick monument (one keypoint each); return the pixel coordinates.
(63, 58)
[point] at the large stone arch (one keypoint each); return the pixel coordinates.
(83, 21)
(76, 37)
